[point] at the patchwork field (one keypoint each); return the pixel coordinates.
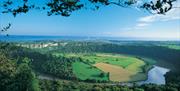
(113, 67)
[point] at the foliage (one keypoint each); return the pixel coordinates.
(60, 67)
(16, 65)
(15, 77)
(7, 72)
(161, 54)
(75, 86)
(66, 7)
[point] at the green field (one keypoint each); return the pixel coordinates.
(176, 47)
(85, 71)
(114, 59)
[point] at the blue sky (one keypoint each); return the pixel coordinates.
(109, 21)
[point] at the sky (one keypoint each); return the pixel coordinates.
(108, 21)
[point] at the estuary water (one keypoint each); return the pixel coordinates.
(156, 76)
(25, 38)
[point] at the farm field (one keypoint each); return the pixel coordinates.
(119, 67)
(85, 71)
(116, 73)
(114, 59)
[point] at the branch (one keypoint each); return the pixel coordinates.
(117, 3)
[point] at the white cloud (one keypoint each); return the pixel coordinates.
(150, 18)
(127, 28)
(139, 26)
(142, 24)
(143, 34)
(173, 14)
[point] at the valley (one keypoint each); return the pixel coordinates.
(95, 63)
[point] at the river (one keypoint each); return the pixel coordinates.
(156, 76)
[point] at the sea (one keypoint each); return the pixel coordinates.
(19, 38)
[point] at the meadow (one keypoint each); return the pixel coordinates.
(107, 67)
(176, 47)
(84, 71)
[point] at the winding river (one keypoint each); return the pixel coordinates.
(156, 76)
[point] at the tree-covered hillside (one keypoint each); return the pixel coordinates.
(159, 53)
(20, 67)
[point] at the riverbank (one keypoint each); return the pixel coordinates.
(155, 76)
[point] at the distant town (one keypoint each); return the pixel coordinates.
(41, 44)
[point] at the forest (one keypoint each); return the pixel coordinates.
(20, 67)
(116, 49)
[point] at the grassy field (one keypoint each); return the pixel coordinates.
(176, 47)
(85, 71)
(119, 60)
(121, 68)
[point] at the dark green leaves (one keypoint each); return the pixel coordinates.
(6, 28)
(63, 7)
(159, 7)
(66, 7)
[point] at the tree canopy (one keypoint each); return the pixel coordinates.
(66, 7)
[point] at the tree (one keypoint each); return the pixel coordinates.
(97, 88)
(25, 60)
(25, 78)
(16, 77)
(101, 74)
(138, 89)
(66, 7)
(7, 73)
